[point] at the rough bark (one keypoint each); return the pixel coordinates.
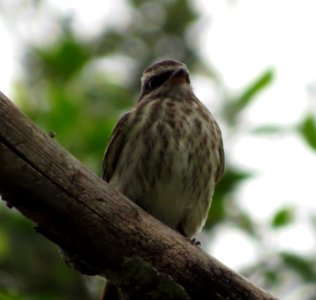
(82, 214)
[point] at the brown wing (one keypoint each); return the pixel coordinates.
(221, 166)
(115, 147)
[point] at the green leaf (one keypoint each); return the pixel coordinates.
(232, 178)
(282, 217)
(248, 95)
(301, 265)
(307, 130)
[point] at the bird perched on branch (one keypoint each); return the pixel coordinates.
(166, 154)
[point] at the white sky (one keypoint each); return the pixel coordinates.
(6, 61)
(242, 41)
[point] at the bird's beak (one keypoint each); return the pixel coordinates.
(178, 77)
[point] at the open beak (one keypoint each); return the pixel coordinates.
(178, 77)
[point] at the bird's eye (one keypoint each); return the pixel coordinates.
(156, 81)
(150, 84)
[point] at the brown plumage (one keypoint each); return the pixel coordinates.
(166, 154)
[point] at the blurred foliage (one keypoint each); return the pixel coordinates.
(233, 177)
(308, 130)
(77, 86)
(31, 266)
(303, 266)
(283, 217)
(238, 104)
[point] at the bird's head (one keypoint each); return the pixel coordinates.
(165, 74)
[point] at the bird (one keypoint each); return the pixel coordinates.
(167, 154)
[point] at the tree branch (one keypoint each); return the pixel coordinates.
(82, 214)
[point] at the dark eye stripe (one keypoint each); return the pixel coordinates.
(156, 81)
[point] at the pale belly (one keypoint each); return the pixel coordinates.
(169, 167)
(174, 187)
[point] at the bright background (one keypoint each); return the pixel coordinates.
(265, 223)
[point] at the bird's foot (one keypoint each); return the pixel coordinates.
(195, 242)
